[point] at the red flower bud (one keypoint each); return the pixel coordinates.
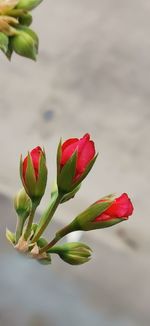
(104, 213)
(34, 173)
(75, 159)
(85, 153)
(121, 208)
(35, 155)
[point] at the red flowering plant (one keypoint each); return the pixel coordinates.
(75, 159)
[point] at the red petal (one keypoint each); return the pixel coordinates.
(122, 207)
(35, 155)
(85, 156)
(68, 148)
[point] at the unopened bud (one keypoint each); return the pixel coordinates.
(22, 204)
(74, 253)
(26, 19)
(25, 44)
(28, 4)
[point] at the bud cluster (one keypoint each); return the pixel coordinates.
(75, 159)
(15, 33)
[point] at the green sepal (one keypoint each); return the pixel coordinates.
(105, 224)
(4, 41)
(65, 178)
(59, 154)
(30, 179)
(31, 33)
(10, 237)
(45, 261)
(28, 4)
(65, 247)
(86, 172)
(68, 196)
(85, 221)
(42, 177)
(71, 194)
(9, 50)
(73, 259)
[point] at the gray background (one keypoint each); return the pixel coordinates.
(92, 75)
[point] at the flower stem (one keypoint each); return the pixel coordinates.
(19, 227)
(30, 220)
(47, 216)
(59, 235)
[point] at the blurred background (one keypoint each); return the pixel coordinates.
(92, 75)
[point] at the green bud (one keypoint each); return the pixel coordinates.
(26, 19)
(28, 4)
(31, 33)
(74, 253)
(22, 204)
(25, 44)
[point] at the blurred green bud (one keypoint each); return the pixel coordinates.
(28, 4)
(26, 19)
(25, 43)
(74, 253)
(7, 5)
(22, 204)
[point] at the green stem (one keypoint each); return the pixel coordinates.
(59, 235)
(30, 220)
(47, 216)
(19, 227)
